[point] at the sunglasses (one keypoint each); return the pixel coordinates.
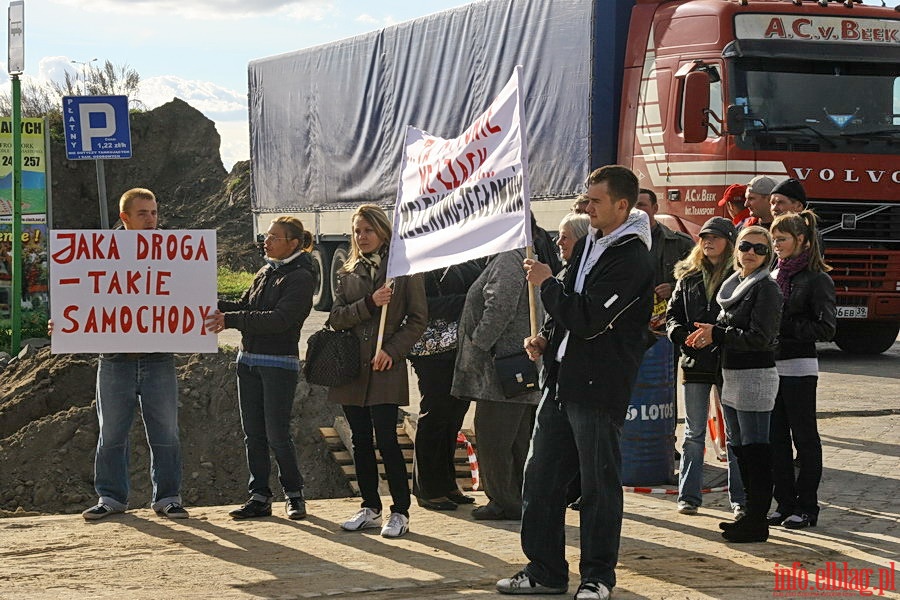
(758, 249)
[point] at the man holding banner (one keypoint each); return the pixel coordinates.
(592, 343)
(125, 379)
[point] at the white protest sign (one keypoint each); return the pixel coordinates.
(465, 197)
(132, 291)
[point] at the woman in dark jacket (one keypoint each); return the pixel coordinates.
(746, 331)
(440, 413)
(699, 277)
(808, 317)
(370, 402)
(269, 315)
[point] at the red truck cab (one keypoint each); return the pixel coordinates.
(717, 92)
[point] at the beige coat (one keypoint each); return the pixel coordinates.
(350, 312)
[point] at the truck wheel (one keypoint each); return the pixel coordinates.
(865, 337)
(321, 258)
(341, 253)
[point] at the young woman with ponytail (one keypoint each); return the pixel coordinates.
(808, 317)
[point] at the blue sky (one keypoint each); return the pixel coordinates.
(198, 50)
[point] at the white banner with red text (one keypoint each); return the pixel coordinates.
(132, 291)
(465, 197)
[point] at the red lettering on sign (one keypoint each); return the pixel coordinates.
(79, 247)
(775, 29)
(67, 311)
(797, 26)
(849, 30)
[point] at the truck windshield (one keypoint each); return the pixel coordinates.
(818, 103)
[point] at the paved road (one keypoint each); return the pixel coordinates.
(664, 555)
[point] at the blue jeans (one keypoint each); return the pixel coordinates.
(690, 478)
(266, 398)
(745, 427)
(121, 386)
(567, 440)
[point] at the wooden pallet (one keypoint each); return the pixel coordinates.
(338, 441)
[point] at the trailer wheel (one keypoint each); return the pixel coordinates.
(321, 258)
(865, 337)
(341, 253)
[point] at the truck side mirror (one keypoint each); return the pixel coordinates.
(734, 119)
(696, 105)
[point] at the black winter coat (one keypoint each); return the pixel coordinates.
(809, 315)
(271, 312)
(687, 306)
(607, 324)
(748, 331)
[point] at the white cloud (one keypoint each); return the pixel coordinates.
(207, 97)
(209, 9)
(375, 21)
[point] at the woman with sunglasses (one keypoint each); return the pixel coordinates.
(746, 332)
(699, 277)
(808, 316)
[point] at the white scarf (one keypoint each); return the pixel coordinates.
(636, 223)
(736, 287)
(275, 263)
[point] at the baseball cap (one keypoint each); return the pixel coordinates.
(733, 193)
(761, 184)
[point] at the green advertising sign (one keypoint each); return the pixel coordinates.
(34, 171)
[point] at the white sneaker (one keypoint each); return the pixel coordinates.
(397, 525)
(738, 511)
(592, 590)
(366, 518)
(521, 583)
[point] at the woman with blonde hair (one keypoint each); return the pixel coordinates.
(370, 402)
(746, 332)
(269, 316)
(808, 317)
(699, 277)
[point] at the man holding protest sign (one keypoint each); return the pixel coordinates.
(123, 381)
(592, 342)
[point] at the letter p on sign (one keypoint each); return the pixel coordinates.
(91, 117)
(97, 127)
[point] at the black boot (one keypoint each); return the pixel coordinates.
(754, 527)
(746, 478)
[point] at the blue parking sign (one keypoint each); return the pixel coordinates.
(97, 127)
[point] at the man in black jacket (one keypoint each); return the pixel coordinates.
(592, 343)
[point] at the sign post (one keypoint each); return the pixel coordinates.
(97, 127)
(16, 66)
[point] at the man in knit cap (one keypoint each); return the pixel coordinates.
(787, 197)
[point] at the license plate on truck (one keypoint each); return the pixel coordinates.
(852, 312)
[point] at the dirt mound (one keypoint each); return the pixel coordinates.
(48, 433)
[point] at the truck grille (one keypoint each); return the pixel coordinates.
(863, 270)
(874, 228)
